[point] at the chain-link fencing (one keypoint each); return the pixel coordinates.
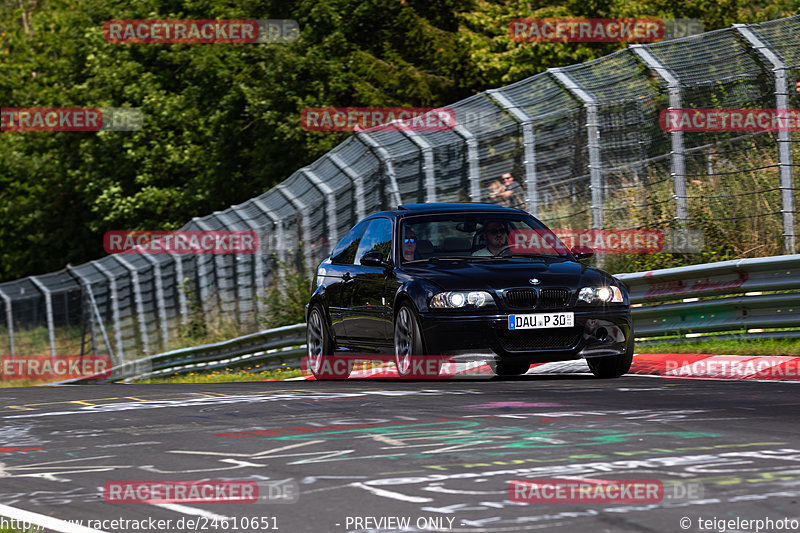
(584, 142)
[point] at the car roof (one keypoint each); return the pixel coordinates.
(442, 207)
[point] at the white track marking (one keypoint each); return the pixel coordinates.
(44, 521)
(184, 509)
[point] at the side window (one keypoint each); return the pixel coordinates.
(345, 251)
(378, 238)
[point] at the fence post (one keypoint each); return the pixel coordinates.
(305, 224)
(48, 304)
(184, 308)
(428, 165)
(234, 257)
(258, 265)
(160, 305)
(112, 284)
(9, 322)
(330, 205)
(678, 155)
(279, 237)
(593, 145)
(382, 154)
(528, 142)
(358, 183)
(473, 162)
(223, 295)
(137, 296)
(95, 312)
(784, 135)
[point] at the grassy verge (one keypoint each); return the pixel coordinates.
(227, 375)
(790, 347)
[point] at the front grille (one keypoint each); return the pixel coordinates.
(545, 339)
(520, 298)
(553, 298)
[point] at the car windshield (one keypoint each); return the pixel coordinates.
(478, 237)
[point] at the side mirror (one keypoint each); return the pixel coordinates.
(582, 252)
(375, 259)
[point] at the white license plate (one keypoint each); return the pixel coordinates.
(541, 321)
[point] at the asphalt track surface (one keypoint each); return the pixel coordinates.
(368, 455)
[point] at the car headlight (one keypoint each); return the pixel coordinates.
(610, 294)
(455, 299)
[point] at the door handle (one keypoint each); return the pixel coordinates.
(347, 277)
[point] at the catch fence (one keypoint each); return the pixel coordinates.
(583, 141)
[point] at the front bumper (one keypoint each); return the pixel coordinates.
(597, 333)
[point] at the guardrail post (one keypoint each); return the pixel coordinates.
(678, 152)
(112, 285)
(48, 304)
(160, 305)
(784, 135)
(593, 145)
(385, 158)
(9, 322)
(330, 205)
(305, 223)
(528, 142)
(428, 165)
(473, 161)
(358, 183)
(137, 296)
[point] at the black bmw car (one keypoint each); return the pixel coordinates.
(462, 280)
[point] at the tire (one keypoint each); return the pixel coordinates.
(321, 361)
(511, 368)
(408, 346)
(612, 366)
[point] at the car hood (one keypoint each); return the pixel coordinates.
(504, 273)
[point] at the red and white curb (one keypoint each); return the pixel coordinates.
(669, 366)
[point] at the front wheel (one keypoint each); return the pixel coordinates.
(408, 345)
(612, 366)
(321, 361)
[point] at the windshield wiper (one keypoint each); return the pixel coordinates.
(450, 258)
(543, 256)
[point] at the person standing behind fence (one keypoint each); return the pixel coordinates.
(513, 193)
(495, 193)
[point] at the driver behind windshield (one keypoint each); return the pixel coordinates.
(496, 236)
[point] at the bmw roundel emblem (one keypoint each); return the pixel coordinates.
(534, 281)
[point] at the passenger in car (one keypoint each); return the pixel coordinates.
(410, 245)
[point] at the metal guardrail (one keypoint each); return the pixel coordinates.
(717, 297)
(714, 297)
(280, 345)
